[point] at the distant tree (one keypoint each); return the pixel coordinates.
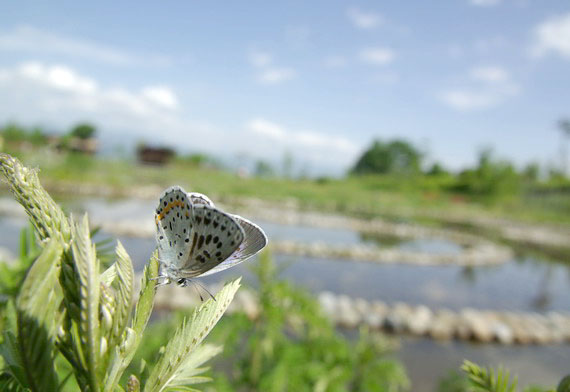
(263, 169)
(531, 172)
(436, 170)
(564, 126)
(491, 177)
(83, 131)
(38, 137)
(397, 156)
(288, 163)
(15, 133)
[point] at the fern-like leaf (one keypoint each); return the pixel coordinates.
(124, 353)
(125, 291)
(46, 216)
(176, 361)
(482, 379)
(189, 374)
(146, 297)
(29, 353)
(88, 273)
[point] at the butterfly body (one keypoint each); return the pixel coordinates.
(196, 239)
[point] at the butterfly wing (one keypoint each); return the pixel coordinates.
(198, 198)
(174, 224)
(255, 240)
(215, 236)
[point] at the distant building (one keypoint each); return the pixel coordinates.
(85, 146)
(155, 155)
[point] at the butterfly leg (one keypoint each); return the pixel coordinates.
(163, 283)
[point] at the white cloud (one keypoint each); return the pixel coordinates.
(36, 41)
(478, 99)
(260, 59)
(364, 20)
(552, 35)
(485, 3)
(377, 56)
(276, 75)
(161, 95)
(57, 94)
(323, 148)
(490, 74)
(58, 76)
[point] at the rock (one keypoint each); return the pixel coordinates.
(516, 322)
(361, 306)
(559, 326)
(396, 319)
(393, 322)
(374, 320)
(442, 325)
(538, 330)
(328, 302)
(420, 320)
(379, 308)
(502, 332)
(479, 325)
(347, 315)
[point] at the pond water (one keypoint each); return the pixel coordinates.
(524, 283)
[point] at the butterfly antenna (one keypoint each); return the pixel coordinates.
(205, 289)
(197, 291)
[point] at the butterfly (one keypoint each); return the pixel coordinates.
(197, 239)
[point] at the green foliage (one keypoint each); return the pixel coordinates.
(564, 385)
(477, 379)
(437, 170)
(14, 133)
(83, 131)
(491, 178)
(292, 346)
(263, 169)
(175, 367)
(482, 379)
(454, 381)
(68, 316)
(196, 160)
(397, 156)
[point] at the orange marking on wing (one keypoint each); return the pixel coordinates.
(169, 206)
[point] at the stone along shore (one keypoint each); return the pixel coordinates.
(484, 326)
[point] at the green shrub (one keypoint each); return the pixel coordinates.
(69, 325)
(292, 346)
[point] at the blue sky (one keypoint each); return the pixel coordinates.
(319, 80)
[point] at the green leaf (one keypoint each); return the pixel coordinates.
(30, 354)
(109, 275)
(146, 296)
(46, 216)
(124, 353)
(482, 379)
(125, 291)
(88, 272)
(564, 385)
(189, 373)
(177, 361)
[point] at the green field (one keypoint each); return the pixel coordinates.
(412, 197)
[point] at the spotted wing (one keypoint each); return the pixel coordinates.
(255, 240)
(215, 236)
(198, 198)
(174, 224)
